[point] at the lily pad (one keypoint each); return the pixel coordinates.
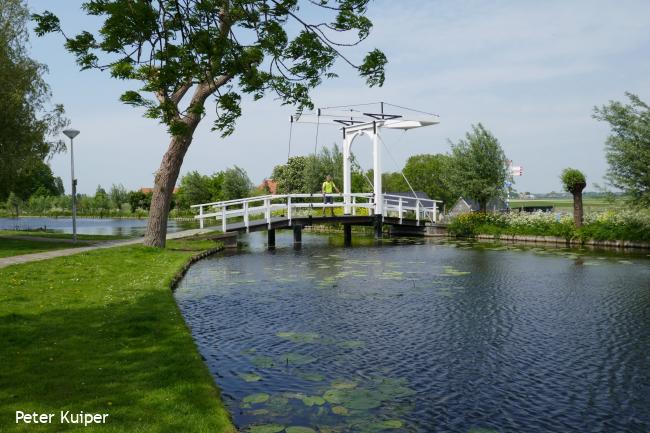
(263, 362)
(313, 400)
(343, 384)
(299, 337)
(250, 377)
(259, 397)
(353, 399)
(340, 410)
(266, 428)
(300, 429)
(296, 359)
(351, 344)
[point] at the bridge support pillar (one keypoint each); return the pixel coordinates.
(270, 235)
(378, 226)
(297, 236)
(347, 235)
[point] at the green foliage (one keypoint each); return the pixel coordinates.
(196, 188)
(291, 176)
(225, 48)
(628, 147)
(27, 122)
(139, 200)
(236, 184)
(431, 174)
(626, 225)
(573, 180)
(148, 374)
(478, 169)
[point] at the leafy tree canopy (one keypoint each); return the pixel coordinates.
(26, 124)
(225, 46)
(628, 147)
(573, 180)
(430, 173)
(478, 169)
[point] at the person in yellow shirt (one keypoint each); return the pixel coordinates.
(327, 188)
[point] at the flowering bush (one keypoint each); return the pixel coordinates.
(625, 224)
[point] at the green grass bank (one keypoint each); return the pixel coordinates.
(100, 332)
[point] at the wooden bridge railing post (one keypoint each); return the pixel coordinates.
(354, 205)
(201, 216)
(289, 216)
(401, 210)
(224, 223)
(246, 220)
(267, 211)
(417, 211)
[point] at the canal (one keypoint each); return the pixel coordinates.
(418, 336)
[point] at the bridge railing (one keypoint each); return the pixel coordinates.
(292, 205)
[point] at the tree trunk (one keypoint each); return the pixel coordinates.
(164, 184)
(577, 208)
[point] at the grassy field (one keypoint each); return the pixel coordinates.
(54, 235)
(566, 205)
(100, 332)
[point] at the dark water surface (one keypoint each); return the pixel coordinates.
(423, 337)
(90, 226)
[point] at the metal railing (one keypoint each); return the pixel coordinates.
(291, 205)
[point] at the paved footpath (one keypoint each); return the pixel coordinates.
(26, 258)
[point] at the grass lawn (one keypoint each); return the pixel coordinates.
(17, 247)
(566, 205)
(100, 332)
(42, 234)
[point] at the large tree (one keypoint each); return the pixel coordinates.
(628, 147)
(430, 173)
(478, 166)
(184, 51)
(25, 123)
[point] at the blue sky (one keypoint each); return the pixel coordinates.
(530, 71)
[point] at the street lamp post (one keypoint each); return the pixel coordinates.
(71, 134)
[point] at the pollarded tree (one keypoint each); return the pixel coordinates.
(478, 166)
(574, 182)
(223, 48)
(628, 147)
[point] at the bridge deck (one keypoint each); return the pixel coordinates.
(283, 222)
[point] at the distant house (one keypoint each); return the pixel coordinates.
(150, 190)
(269, 185)
(466, 205)
(410, 199)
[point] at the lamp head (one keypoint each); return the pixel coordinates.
(71, 133)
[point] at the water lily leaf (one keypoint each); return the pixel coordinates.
(299, 337)
(258, 412)
(353, 399)
(250, 377)
(266, 428)
(343, 384)
(263, 361)
(313, 400)
(259, 397)
(300, 429)
(278, 404)
(297, 359)
(340, 410)
(351, 344)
